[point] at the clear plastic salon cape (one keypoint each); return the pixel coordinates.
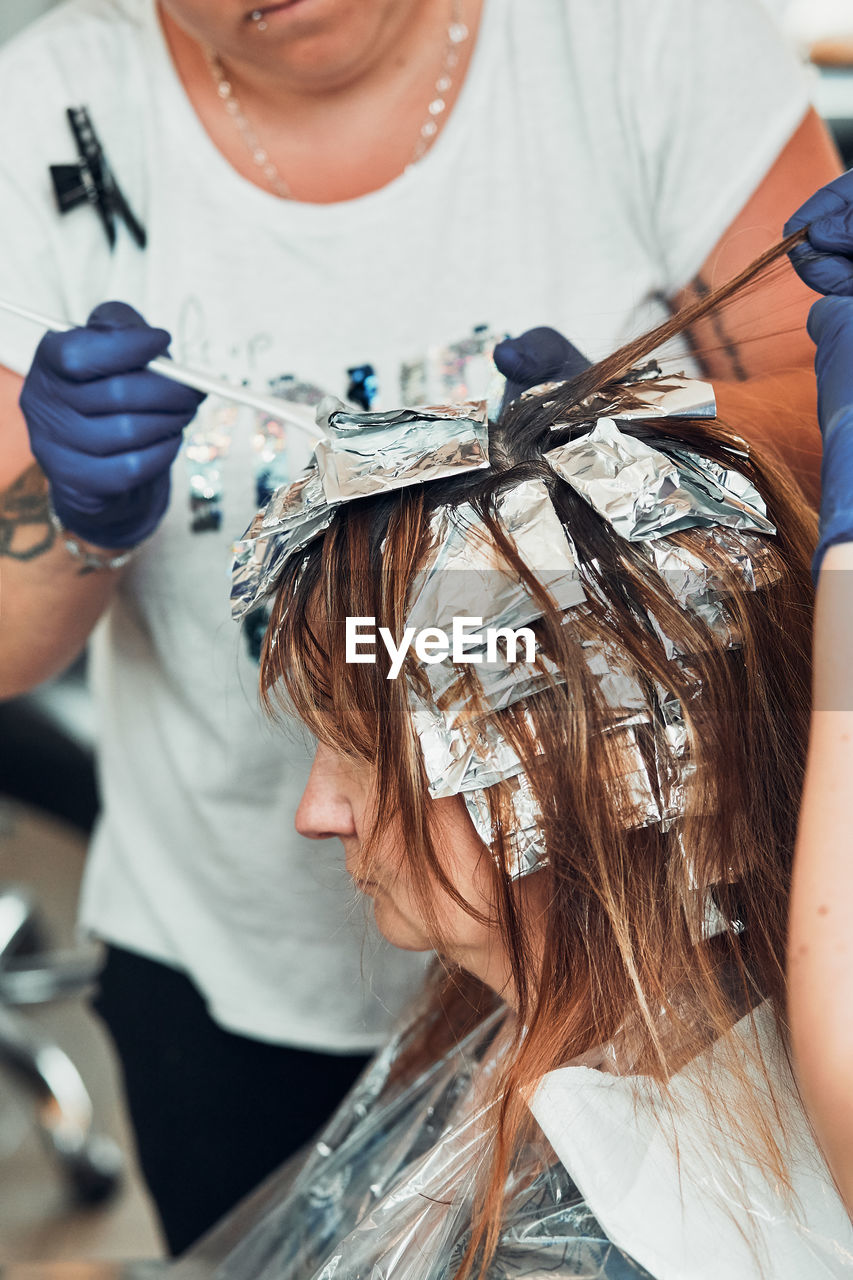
(387, 1191)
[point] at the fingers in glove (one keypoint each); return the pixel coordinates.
(116, 474)
(133, 515)
(538, 354)
(830, 320)
(822, 262)
(116, 315)
(826, 273)
(118, 434)
(830, 198)
(128, 393)
(82, 355)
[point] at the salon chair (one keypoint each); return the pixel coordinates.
(45, 764)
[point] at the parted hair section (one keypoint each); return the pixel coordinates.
(629, 960)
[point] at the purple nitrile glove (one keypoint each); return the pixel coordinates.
(825, 260)
(831, 327)
(538, 355)
(104, 429)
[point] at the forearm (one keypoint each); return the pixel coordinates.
(778, 412)
(47, 606)
(821, 925)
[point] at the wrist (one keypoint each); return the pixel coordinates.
(90, 557)
(839, 555)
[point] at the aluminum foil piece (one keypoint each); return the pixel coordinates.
(674, 767)
(464, 568)
(636, 793)
(653, 393)
(456, 762)
(619, 688)
(477, 804)
(663, 396)
(645, 493)
(368, 453)
(488, 688)
(701, 580)
(466, 576)
(466, 755)
(653, 791)
(526, 841)
(468, 765)
(294, 516)
(535, 529)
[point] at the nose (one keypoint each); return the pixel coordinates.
(325, 809)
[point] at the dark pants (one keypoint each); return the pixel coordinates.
(213, 1112)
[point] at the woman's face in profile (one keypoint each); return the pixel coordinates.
(340, 800)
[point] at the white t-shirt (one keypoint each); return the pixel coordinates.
(598, 150)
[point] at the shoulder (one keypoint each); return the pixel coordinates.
(645, 47)
(90, 53)
(76, 52)
(637, 25)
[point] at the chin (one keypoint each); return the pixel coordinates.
(396, 929)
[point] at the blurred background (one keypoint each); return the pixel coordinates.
(15, 14)
(68, 1186)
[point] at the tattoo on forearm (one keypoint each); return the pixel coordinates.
(726, 341)
(25, 528)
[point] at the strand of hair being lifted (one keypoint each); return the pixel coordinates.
(615, 366)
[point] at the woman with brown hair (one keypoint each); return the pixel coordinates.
(588, 810)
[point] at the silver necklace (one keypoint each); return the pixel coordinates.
(457, 34)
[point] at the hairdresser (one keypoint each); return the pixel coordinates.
(820, 944)
(347, 196)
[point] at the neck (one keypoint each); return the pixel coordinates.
(338, 100)
(358, 53)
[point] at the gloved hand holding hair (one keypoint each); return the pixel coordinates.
(104, 429)
(825, 260)
(831, 327)
(537, 355)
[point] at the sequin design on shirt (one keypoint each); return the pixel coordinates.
(459, 370)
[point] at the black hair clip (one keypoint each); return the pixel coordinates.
(91, 180)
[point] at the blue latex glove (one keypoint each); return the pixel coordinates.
(831, 327)
(539, 355)
(825, 260)
(103, 428)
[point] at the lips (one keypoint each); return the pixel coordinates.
(264, 10)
